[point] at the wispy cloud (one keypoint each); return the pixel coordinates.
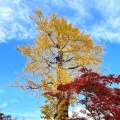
(100, 18)
(108, 26)
(14, 21)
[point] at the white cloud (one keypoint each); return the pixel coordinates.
(16, 1)
(109, 8)
(105, 22)
(78, 109)
(104, 32)
(108, 27)
(100, 18)
(81, 6)
(14, 21)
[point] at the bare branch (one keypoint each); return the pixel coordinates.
(66, 42)
(68, 60)
(30, 87)
(74, 67)
(49, 34)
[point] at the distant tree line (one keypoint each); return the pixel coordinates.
(6, 117)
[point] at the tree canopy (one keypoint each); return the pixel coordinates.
(99, 99)
(58, 52)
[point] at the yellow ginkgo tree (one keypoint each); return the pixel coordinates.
(59, 51)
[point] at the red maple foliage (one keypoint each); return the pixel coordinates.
(101, 100)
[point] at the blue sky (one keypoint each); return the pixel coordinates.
(100, 18)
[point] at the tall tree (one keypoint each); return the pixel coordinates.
(59, 51)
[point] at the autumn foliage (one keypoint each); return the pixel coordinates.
(101, 101)
(57, 53)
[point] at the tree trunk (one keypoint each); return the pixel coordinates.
(62, 110)
(62, 107)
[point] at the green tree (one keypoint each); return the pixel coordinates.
(58, 52)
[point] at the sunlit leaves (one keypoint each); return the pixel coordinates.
(59, 50)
